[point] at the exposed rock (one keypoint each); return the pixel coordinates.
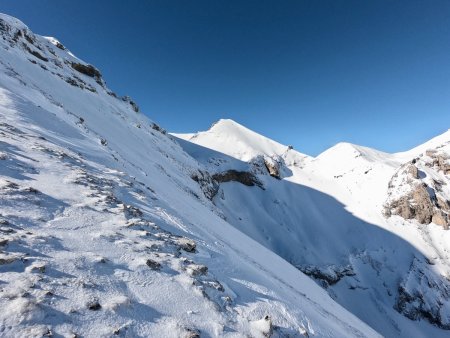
(88, 70)
(215, 285)
(413, 171)
(430, 152)
(37, 267)
(422, 294)
(440, 218)
(438, 184)
(244, 177)
(443, 204)
(421, 197)
(273, 167)
(328, 275)
(131, 211)
(197, 269)
(192, 333)
(439, 160)
(209, 186)
(153, 264)
(131, 102)
(442, 164)
(186, 244)
(60, 45)
(415, 205)
(36, 54)
(94, 305)
(156, 127)
(422, 204)
(32, 190)
(7, 259)
(48, 333)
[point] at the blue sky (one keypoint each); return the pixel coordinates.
(305, 73)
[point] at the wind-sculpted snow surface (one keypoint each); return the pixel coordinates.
(368, 226)
(104, 232)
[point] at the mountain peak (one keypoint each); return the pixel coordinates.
(229, 126)
(229, 122)
(231, 138)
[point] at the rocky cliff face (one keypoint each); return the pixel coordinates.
(419, 190)
(422, 295)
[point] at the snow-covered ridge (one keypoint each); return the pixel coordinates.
(103, 232)
(12, 22)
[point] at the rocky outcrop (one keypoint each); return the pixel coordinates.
(423, 294)
(209, 186)
(415, 205)
(421, 206)
(243, 177)
(413, 171)
(88, 70)
(264, 165)
(416, 190)
(158, 128)
(440, 218)
(273, 167)
(439, 160)
(328, 275)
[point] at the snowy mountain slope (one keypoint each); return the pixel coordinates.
(328, 218)
(232, 141)
(103, 232)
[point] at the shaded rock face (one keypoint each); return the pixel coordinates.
(88, 70)
(424, 295)
(328, 275)
(419, 194)
(209, 186)
(244, 177)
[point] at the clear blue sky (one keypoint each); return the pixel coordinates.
(306, 73)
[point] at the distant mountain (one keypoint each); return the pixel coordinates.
(105, 229)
